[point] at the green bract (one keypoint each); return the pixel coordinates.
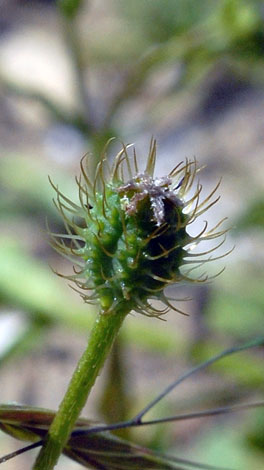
(130, 237)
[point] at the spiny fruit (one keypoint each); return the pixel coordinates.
(129, 235)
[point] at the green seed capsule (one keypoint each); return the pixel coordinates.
(133, 240)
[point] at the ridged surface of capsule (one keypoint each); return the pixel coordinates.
(133, 239)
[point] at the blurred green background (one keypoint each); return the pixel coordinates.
(191, 74)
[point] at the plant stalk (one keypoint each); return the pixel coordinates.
(102, 336)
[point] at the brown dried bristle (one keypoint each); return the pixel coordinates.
(129, 235)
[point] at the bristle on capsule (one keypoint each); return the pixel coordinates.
(133, 240)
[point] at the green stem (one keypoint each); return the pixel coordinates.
(102, 336)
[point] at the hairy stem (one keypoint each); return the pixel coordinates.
(102, 336)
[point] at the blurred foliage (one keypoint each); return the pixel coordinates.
(253, 216)
(69, 8)
(237, 311)
(255, 431)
